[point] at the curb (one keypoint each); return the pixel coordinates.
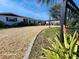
(27, 53)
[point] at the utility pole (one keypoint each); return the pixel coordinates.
(49, 21)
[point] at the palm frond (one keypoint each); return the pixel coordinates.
(44, 1)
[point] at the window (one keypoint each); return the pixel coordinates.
(11, 19)
(6, 18)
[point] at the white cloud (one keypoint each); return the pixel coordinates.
(3, 2)
(10, 4)
(17, 8)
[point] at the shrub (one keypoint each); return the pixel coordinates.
(73, 25)
(21, 24)
(2, 24)
(14, 25)
(62, 50)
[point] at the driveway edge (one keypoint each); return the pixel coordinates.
(27, 53)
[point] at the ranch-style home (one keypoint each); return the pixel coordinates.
(10, 18)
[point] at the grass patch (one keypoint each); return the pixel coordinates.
(50, 32)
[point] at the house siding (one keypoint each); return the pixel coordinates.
(3, 19)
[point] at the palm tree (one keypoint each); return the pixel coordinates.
(47, 1)
(55, 11)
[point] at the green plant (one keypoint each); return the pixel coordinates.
(62, 50)
(73, 25)
(2, 24)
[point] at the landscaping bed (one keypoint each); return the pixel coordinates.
(41, 42)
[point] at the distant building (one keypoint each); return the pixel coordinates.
(53, 22)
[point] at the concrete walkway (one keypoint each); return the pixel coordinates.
(16, 43)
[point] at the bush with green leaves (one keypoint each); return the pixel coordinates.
(2, 24)
(62, 50)
(73, 25)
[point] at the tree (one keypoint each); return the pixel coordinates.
(55, 11)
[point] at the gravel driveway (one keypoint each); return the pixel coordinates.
(14, 42)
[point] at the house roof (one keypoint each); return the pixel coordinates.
(11, 14)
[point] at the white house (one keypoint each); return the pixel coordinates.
(11, 18)
(53, 22)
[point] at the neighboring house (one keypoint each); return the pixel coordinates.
(53, 22)
(10, 18)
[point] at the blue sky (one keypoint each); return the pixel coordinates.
(77, 2)
(28, 8)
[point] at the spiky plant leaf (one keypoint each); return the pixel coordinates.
(74, 51)
(56, 47)
(48, 54)
(73, 43)
(66, 41)
(63, 50)
(59, 42)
